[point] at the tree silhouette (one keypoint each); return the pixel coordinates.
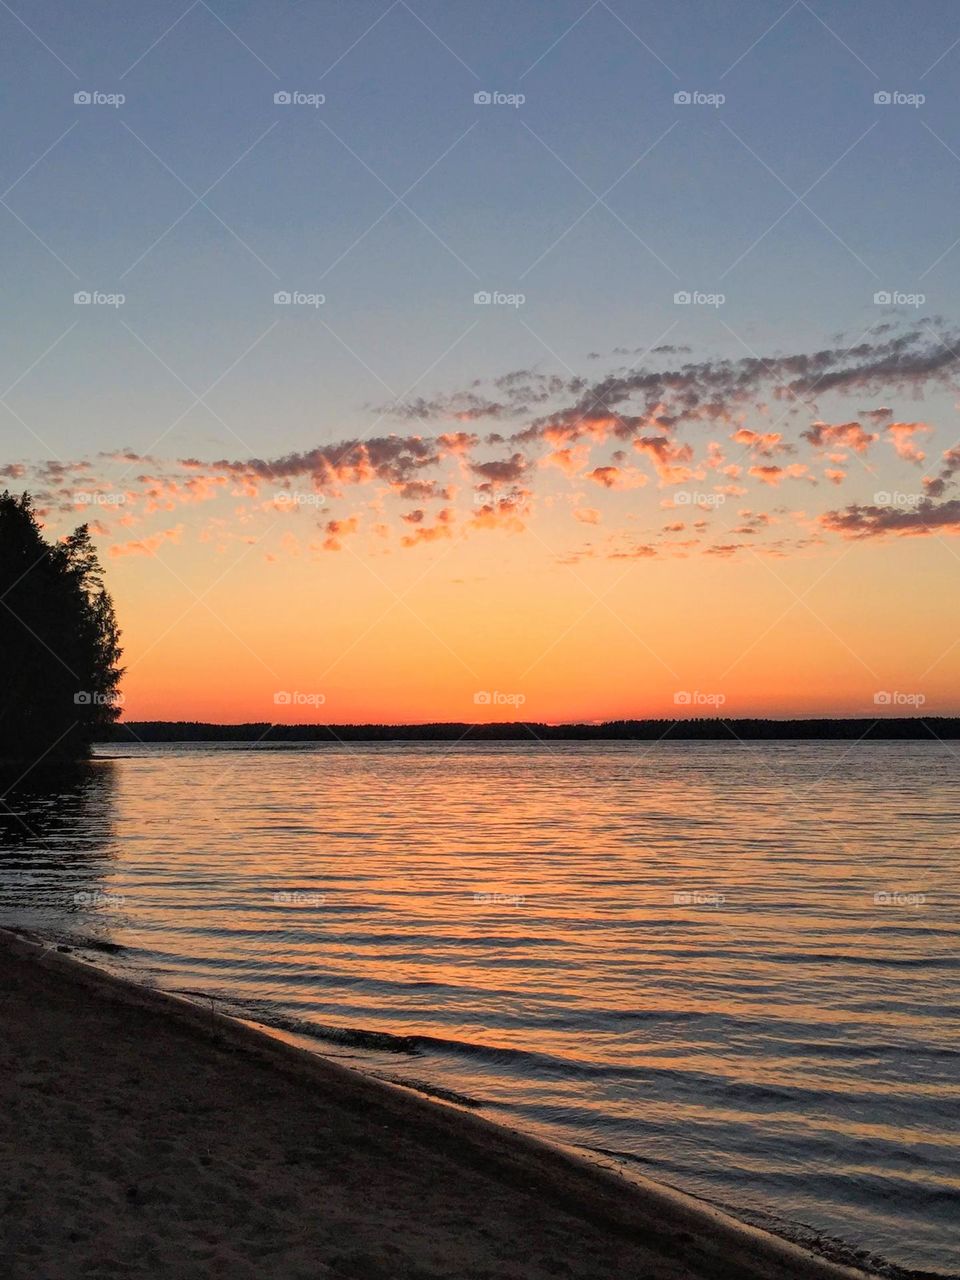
(58, 639)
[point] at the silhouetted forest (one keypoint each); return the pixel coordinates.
(59, 641)
(931, 728)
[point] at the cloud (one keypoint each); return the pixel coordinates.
(443, 528)
(669, 459)
(505, 471)
(902, 437)
(661, 418)
(508, 512)
(717, 390)
(921, 519)
(724, 549)
(393, 459)
(951, 465)
(587, 515)
(758, 442)
(848, 435)
(774, 475)
(640, 551)
(146, 546)
(613, 477)
(569, 461)
(337, 530)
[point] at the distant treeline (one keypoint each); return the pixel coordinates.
(929, 728)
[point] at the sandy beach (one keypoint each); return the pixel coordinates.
(143, 1136)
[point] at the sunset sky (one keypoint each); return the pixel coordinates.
(699, 452)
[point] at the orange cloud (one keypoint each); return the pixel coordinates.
(617, 477)
(146, 546)
(766, 445)
(902, 437)
(587, 515)
(337, 530)
(774, 475)
(429, 533)
(849, 435)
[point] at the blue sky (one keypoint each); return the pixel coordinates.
(571, 532)
(496, 187)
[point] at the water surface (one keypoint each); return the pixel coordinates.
(734, 966)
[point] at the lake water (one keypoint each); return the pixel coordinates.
(734, 967)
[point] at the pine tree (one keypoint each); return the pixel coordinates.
(59, 641)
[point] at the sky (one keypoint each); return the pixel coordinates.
(422, 361)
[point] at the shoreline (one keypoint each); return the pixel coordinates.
(474, 1188)
(878, 727)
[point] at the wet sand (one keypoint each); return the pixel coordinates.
(141, 1136)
